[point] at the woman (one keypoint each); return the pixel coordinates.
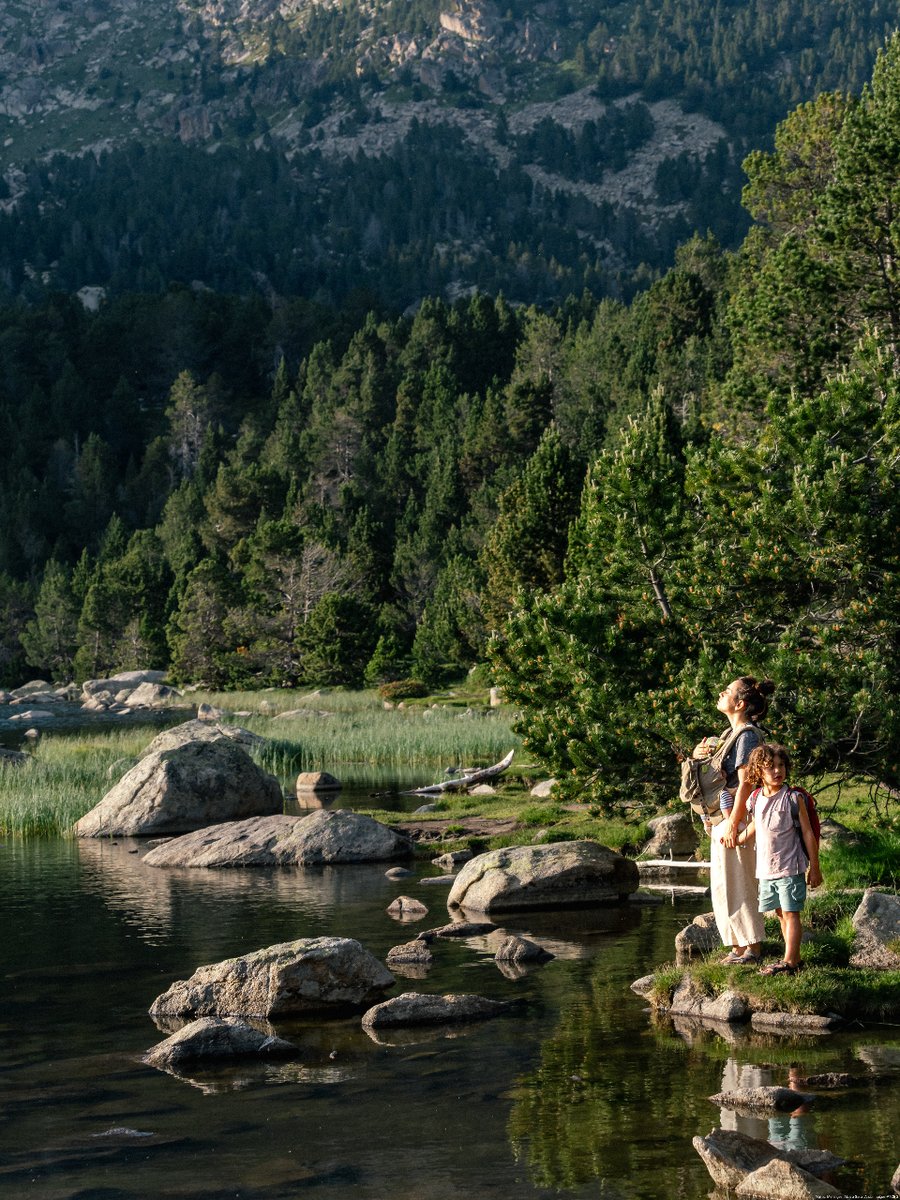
(733, 875)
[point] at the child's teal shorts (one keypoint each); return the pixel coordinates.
(788, 894)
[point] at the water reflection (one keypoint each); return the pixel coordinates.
(785, 1130)
(218, 1080)
(153, 899)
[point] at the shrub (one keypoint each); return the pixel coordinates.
(403, 689)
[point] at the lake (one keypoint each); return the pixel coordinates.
(579, 1093)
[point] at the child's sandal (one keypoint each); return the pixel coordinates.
(779, 968)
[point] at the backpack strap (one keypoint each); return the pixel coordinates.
(794, 797)
(731, 737)
(752, 798)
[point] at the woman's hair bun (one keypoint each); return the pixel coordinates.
(766, 687)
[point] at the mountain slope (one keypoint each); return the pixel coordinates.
(627, 119)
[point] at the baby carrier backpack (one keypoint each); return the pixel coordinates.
(702, 777)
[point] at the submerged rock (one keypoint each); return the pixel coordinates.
(463, 929)
(416, 952)
(308, 975)
(216, 1038)
(186, 788)
(515, 949)
(766, 1099)
(399, 873)
(413, 1008)
(317, 781)
(283, 841)
(564, 874)
(407, 908)
(788, 1022)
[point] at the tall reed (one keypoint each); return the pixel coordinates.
(346, 733)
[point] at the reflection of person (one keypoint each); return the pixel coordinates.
(732, 867)
(787, 1130)
(781, 856)
(737, 1077)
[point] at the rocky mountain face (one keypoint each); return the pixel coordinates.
(82, 75)
(613, 129)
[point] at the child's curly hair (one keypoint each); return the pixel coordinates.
(762, 757)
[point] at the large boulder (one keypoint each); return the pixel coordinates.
(309, 975)
(697, 939)
(687, 1001)
(202, 731)
(190, 787)
(213, 1039)
(123, 681)
(730, 1156)
(673, 836)
(151, 695)
(283, 841)
(877, 925)
(564, 874)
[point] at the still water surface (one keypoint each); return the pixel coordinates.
(578, 1094)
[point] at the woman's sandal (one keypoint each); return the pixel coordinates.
(779, 968)
(732, 959)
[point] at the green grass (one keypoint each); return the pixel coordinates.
(874, 860)
(357, 729)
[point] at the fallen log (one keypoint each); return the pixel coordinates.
(468, 779)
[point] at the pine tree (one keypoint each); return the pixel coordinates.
(592, 662)
(526, 547)
(50, 638)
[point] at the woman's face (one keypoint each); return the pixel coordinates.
(728, 702)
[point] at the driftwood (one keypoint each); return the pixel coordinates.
(470, 776)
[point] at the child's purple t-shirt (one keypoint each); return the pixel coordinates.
(779, 848)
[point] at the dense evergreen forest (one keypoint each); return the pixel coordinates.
(612, 504)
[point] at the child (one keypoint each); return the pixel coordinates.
(785, 862)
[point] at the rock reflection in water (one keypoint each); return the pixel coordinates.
(219, 1080)
(418, 1035)
(154, 901)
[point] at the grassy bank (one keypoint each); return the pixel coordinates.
(826, 984)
